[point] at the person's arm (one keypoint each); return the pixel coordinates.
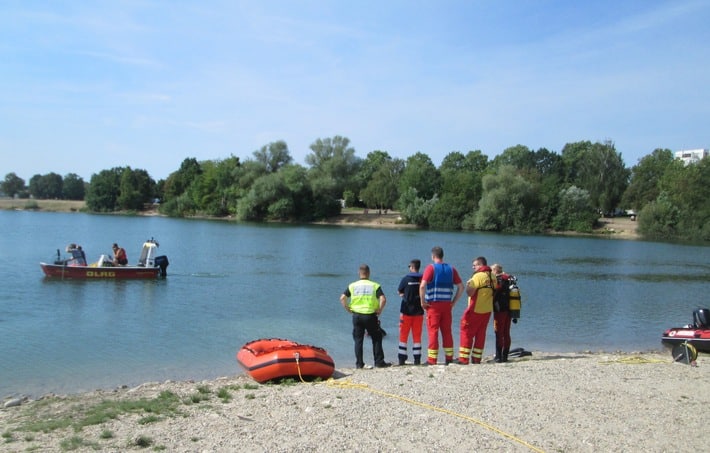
(344, 302)
(422, 294)
(383, 302)
(470, 288)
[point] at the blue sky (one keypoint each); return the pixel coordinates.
(91, 85)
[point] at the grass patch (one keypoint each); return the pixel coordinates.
(77, 416)
(224, 395)
(76, 442)
(143, 441)
(148, 419)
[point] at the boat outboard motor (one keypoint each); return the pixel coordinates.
(701, 318)
(162, 262)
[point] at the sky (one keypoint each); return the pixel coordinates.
(86, 86)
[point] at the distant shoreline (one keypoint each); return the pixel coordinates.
(613, 228)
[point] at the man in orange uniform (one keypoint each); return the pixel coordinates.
(411, 313)
(438, 298)
(474, 321)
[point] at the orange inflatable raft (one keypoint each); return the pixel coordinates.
(273, 359)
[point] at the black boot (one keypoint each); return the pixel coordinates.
(499, 355)
(417, 360)
(505, 354)
(402, 359)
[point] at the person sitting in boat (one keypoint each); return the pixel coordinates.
(78, 257)
(119, 255)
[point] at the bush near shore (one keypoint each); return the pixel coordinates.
(617, 227)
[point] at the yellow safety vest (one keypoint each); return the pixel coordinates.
(363, 297)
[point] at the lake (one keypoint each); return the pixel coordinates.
(229, 283)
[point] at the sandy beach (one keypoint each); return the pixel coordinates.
(582, 402)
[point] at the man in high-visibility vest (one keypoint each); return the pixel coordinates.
(439, 291)
(367, 300)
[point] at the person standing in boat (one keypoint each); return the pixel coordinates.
(438, 297)
(119, 255)
(411, 313)
(501, 313)
(367, 300)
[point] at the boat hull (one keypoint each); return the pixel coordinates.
(274, 359)
(99, 273)
(699, 338)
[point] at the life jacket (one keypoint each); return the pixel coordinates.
(482, 300)
(363, 297)
(441, 289)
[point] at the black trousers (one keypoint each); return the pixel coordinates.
(362, 323)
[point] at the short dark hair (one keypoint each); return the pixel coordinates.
(416, 263)
(482, 261)
(364, 269)
(437, 251)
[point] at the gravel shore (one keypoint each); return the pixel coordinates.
(581, 402)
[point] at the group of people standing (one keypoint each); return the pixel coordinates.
(434, 293)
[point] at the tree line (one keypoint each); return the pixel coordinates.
(519, 191)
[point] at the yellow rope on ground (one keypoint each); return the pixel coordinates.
(633, 360)
(347, 384)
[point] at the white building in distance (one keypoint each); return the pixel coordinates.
(691, 156)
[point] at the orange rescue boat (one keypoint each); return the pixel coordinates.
(273, 359)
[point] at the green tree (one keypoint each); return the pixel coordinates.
(645, 178)
(509, 203)
(368, 166)
(214, 190)
(12, 185)
(599, 169)
(47, 187)
(333, 164)
(688, 191)
(576, 212)
(461, 189)
(421, 174)
(660, 219)
(136, 188)
(518, 156)
(104, 189)
(73, 187)
(273, 156)
(415, 209)
(381, 190)
(178, 181)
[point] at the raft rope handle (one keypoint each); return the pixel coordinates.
(347, 384)
(297, 355)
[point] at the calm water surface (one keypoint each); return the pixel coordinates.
(231, 283)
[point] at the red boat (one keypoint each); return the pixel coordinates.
(149, 266)
(274, 359)
(697, 333)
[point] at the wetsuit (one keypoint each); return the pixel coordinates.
(501, 318)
